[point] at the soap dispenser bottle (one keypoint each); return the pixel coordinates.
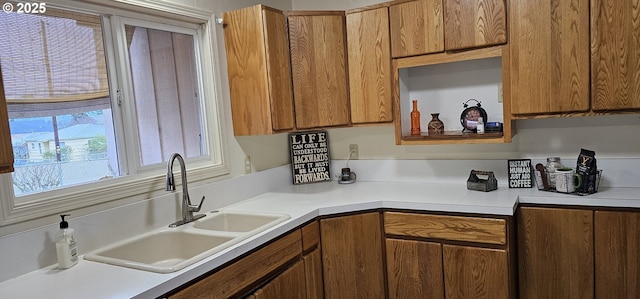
(66, 245)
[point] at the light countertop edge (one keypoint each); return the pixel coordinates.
(303, 203)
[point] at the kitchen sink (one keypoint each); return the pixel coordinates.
(171, 249)
(163, 252)
(240, 222)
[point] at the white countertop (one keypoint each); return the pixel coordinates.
(303, 203)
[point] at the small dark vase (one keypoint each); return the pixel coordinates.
(435, 126)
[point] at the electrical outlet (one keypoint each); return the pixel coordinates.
(247, 165)
(353, 151)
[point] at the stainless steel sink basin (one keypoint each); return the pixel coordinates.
(172, 249)
(240, 222)
(163, 252)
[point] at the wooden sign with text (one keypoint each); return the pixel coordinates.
(520, 173)
(309, 157)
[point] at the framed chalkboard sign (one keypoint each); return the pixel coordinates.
(520, 173)
(309, 157)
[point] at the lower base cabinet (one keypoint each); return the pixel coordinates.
(313, 274)
(472, 272)
(240, 277)
(287, 285)
(617, 252)
(352, 256)
(555, 253)
(578, 253)
(441, 256)
(414, 269)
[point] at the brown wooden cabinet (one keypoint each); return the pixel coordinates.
(471, 272)
(312, 260)
(549, 56)
(555, 253)
(317, 42)
(369, 56)
(615, 55)
(352, 256)
(432, 26)
(448, 256)
(617, 258)
(414, 269)
(259, 70)
(417, 27)
(242, 275)
(474, 23)
(287, 285)
(6, 148)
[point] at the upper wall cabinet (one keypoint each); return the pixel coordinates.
(549, 56)
(474, 23)
(416, 28)
(369, 66)
(615, 57)
(6, 150)
(259, 70)
(319, 68)
(431, 26)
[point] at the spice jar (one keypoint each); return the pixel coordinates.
(553, 163)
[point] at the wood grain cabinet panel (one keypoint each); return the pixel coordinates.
(417, 27)
(313, 274)
(369, 55)
(288, 285)
(471, 272)
(549, 56)
(615, 54)
(317, 42)
(6, 149)
(414, 269)
(474, 23)
(555, 253)
(457, 228)
(259, 70)
(231, 280)
(352, 257)
(617, 254)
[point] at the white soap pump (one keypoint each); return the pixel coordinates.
(66, 245)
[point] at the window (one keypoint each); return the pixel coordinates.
(107, 100)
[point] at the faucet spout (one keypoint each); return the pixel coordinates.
(187, 208)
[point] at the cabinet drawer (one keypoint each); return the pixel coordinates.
(457, 228)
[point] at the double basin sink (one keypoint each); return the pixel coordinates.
(172, 249)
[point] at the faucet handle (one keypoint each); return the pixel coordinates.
(193, 208)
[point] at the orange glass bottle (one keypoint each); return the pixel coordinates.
(415, 119)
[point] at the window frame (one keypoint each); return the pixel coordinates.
(139, 182)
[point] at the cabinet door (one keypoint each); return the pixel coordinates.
(549, 56)
(259, 70)
(352, 256)
(319, 69)
(471, 272)
(313, 274)
(416, 28)
(246, 272)
(288, 285)
(555, 253)
(6, 150)
(474, 23)
(414, 269)
(615, 57)
(617, 239)
(369, 66)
